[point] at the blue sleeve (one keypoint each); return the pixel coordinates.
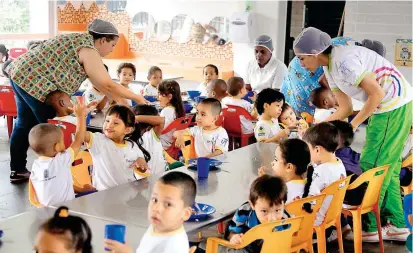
(237, 224)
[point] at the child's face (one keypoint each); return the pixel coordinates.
(167, 211)
(115, 129)
(274, 109)
(327, 100)
(126, 76)
(288, 117)
(46, 243)
(156, 78)
(164, 100)
(266, 213)
(210, 74)
(279, 167)
(204, 116)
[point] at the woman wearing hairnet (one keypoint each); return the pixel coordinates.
(265, 71)
(359, 73)
(61, 63)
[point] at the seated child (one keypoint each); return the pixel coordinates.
(154, 78)
(63, 233)
(217, 89)
(269, 106)
(171, 205)
(325, 103)
(126, 74)
(210, 73)
(237, 90)
(117, 154)
(92, 94)
(51, 176)
(292, 158)
(210, 140)
(288, 119)
(151, 128)
(62, 104)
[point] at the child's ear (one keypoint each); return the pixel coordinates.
(170, 96)
(325, 102)
(290, 167)
(61, 103)
(129, 130)
(187, 213)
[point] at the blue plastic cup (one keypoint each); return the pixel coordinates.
(88, 118)
(203, 164)
(115, 232)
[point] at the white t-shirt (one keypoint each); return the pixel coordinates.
(206, 142)
(69, 119)
(92, 95)
(152, 144)
(266, 129)
(111, 161)
(149, 90)
(324, 175)
(169, 114)
(295, 190)
(350, 64)
(202, 88)
(271, 76)
(321, 115)
(246, 126)
(173, 242)
(52, 179)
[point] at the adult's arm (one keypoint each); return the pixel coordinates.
(100, 78)
(345, 106)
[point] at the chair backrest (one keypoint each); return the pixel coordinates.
(80, 169)
(295, 208)
(232, 121)
(408, 161)
(68, 130)
(7, 101)
(269, 234)
(32, 195)
(16, 52)
(189, 150)
(407, 206)
(337, 190)
(179, 124)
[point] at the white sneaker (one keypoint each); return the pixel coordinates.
(333, 236)
(392, 233)
(370, 236)
(348, 233)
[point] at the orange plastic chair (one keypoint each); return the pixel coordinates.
(32, 195)
(68, 130)
(333, 215)
(304, 238)
(407, 163)
(177, 125)
(232, 123)
(263, 232)
(80, 169)
(8, 106)
(16, 52)
(370, 203)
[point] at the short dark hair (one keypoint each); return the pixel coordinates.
(211, 66)
(345, 131)
(214, 103)
(96, 36)
(234, 85)
(142, 109)
(152, 71)
(183, 181)
(315, 96)
(267, 96)
(273, 189)
(323, 134)
(43, 137)
(127, 65)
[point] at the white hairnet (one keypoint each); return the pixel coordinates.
(101, 26)
(264, 41)
(311, 41)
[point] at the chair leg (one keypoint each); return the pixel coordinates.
(221, 227)
(310, 246)
(357, 231)
(378, 221)
(339, 234)
(9, 125)
(244, 141)
(321, 239)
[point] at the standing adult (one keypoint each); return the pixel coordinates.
(61, 63)
(265, 71)
(359, 73)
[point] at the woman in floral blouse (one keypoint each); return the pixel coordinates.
(61, 63)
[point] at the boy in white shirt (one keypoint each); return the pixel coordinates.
(154, 78)
(171, 205)
(325, 103)
(269, 105)
(51, 176)
(126, 74)
(210, 140)
(237, 90)
(62, 104)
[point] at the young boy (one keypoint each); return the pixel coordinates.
(217, 89)
(210, 140)
(210, 73)
(92, 94)
(269, 105)
(170, 206)
(62, 104)
(237, 90)
(325, 103)
(154, 78)
(126, 74)
(51, 176)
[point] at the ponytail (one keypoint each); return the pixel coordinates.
(307, 206)
(136, 137)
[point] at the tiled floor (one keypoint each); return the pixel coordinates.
(14, 198)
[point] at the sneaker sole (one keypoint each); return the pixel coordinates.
(395, 239)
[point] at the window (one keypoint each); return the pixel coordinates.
(14, 16)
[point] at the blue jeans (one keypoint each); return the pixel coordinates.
(30, 112)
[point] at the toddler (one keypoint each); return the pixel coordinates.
(92, 94)
(154, 78)
(217, 89)
(325, 103)
(210, 73)
(62, 104)
(288, 119)
(126, 74)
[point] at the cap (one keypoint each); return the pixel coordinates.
(311, 41)
(264, 41)
(101, 26)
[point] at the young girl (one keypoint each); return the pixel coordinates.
(118, 152)
(171, 102)
(210, 73)
(154, 78)
(126, 74)
(288, 119)
(64, 233)
(292, 158)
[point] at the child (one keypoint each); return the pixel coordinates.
(269, 105)
(154, 78)
(323, 140)
(92, 94)
(126, 74)
(217, 89)
(325, 103)
(117, 154)
(292, 158)
(151, 128)
(51, 176)
(237, 90)
(64, 233)
(210, 73)
(172, 198)
(210, 140)
(288, 119)
(171, 101)
(62, 104)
